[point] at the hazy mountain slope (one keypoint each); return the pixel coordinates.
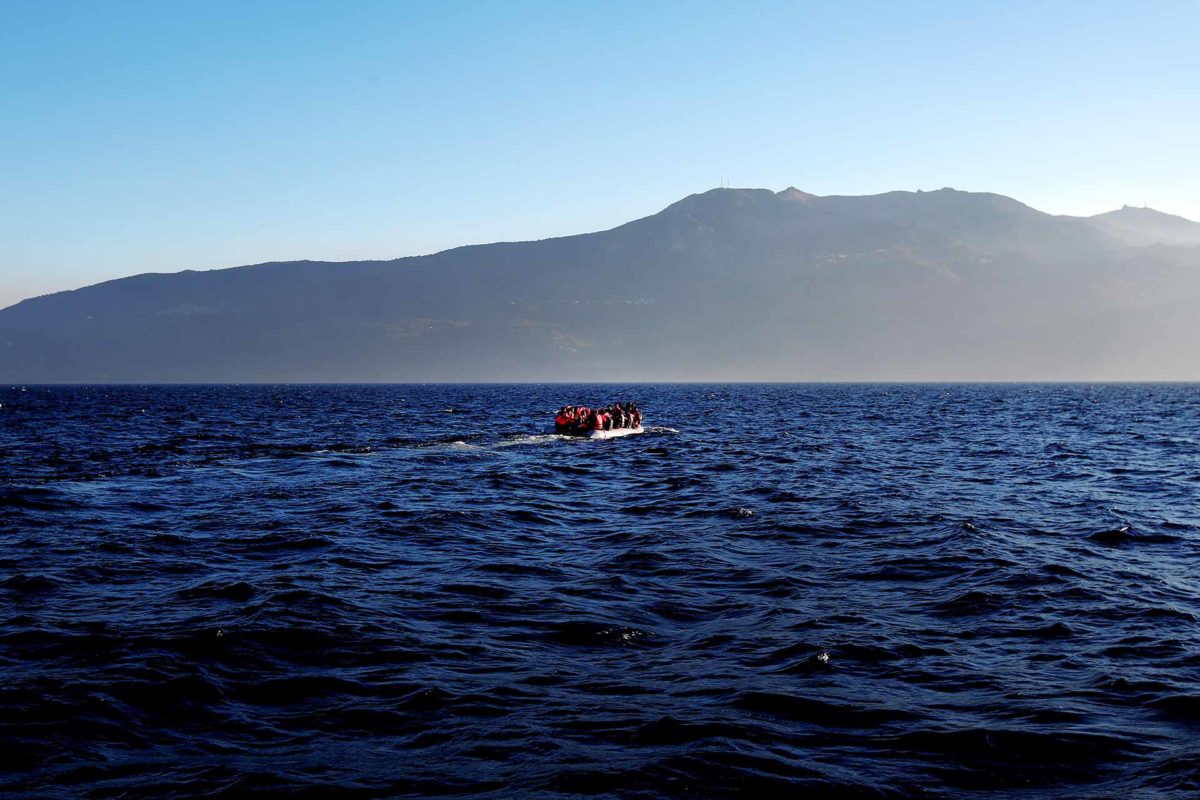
(727, 284)
(1145, 226)
(978, 219)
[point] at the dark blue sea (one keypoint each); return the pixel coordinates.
(848, 591)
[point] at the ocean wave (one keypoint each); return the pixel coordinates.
(298, 591)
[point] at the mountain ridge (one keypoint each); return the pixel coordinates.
(721, 284)
(788, 193)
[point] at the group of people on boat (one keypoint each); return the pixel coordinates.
(581, 419)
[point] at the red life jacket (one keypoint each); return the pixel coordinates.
(598, 422)
(560, 420)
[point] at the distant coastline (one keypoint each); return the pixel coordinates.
(726, 285)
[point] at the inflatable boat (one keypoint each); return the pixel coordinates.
(586, 423)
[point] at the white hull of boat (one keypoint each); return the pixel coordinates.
(613, 434)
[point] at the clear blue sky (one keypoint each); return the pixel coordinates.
(158, 136)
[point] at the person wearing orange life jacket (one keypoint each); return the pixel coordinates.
(562, 420)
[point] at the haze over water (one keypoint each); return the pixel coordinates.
(379, 591)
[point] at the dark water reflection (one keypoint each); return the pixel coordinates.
(874, 591)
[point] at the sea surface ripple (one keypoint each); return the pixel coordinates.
(863, 591)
